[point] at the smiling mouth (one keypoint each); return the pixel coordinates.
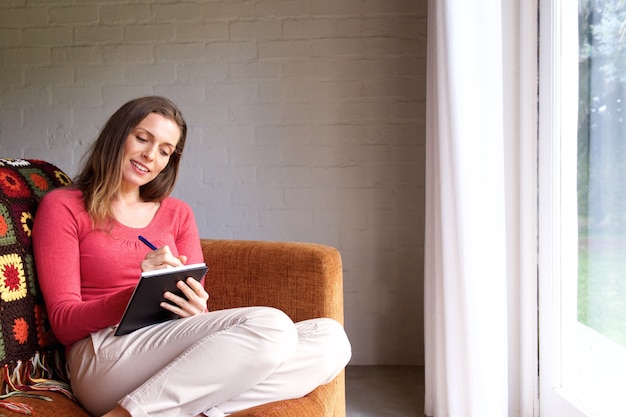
(139, 166)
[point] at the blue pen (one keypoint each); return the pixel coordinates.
(147, 242)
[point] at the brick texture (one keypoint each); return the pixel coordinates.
(307, 123)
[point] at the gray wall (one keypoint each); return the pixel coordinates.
(307, 123)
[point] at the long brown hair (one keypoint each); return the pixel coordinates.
(101, 173)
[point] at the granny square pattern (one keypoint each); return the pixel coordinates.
(25, 332)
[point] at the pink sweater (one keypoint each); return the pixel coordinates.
(87, 276)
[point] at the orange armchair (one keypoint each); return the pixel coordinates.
(302, 279)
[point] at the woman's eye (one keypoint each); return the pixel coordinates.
(165, 152)
(140, 139)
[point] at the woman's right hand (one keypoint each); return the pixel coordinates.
(161, 258)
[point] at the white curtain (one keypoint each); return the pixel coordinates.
(472, 305)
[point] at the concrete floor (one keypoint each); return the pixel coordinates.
(382, 391)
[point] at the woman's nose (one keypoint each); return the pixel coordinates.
(149, 153)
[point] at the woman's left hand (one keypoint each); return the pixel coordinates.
(193, 303)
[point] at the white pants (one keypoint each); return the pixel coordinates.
(225, 360)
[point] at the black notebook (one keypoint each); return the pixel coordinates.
(143, 309)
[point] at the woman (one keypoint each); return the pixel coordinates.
(88, 260)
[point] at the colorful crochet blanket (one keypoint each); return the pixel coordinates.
(31, 357)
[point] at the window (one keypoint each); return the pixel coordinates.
(602, 168)
(582, 208)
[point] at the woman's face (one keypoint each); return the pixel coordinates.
(147, 149)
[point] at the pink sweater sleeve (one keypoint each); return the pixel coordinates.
(57, 258)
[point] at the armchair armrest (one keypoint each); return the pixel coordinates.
(304, 280)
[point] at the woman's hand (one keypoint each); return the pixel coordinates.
(195, 297)
(193, 303)
(160, 259)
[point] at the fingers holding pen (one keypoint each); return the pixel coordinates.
(161, 258)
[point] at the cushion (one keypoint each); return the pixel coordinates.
(28, 348)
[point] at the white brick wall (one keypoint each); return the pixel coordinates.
(306, 124)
